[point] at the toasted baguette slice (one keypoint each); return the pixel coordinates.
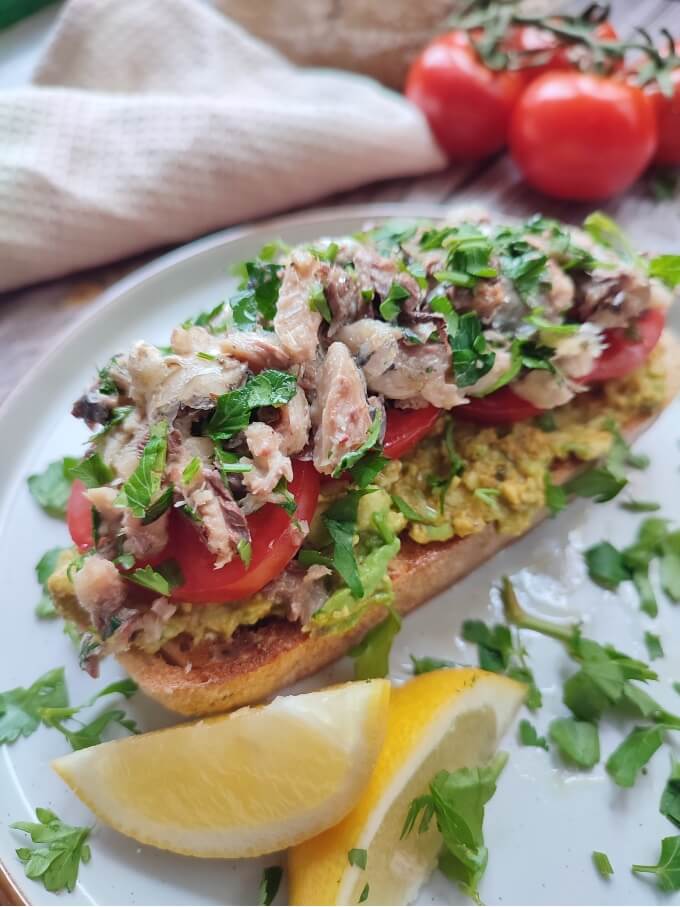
(261, 659)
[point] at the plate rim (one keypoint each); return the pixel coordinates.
(10, 889)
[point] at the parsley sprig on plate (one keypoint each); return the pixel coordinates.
(59, 849)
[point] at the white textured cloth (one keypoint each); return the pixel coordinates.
(154, 121)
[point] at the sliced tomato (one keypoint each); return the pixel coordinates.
(627, 349)
(274, 543)
(500, 408)
(79, 516)
(405, 427)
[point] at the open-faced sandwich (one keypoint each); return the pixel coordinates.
(368, 419)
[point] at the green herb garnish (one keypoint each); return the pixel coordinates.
(59, 850)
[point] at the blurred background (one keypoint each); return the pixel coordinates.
(131, 126)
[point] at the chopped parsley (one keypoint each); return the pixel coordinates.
(319, 303)
(630, 757)
(269, 886)
(20, 708)
(577, 741)
(528, 735)
(43, 571)
(427, 663)
(498, 652)
(364, 894)
(390, 307)
(602, 864)
(191, 470)
(472, 356)
(428, 515)
(143, 488)
(234, 409)
(555, 495)
(666, 268)
(166, 577)
(667, 870)
(205, 319)
(257, 296)
(51, 488)
(372, 655)
(92, 471)
(90, 734)
(457, 799)
(59, 850)
(654, 647)
(357, 857)
(640, 506)
(669, 806)
(368, 446)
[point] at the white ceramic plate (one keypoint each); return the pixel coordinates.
(544, 821)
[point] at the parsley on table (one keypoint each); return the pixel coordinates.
(634, 753)
(602, 864)
(427, 663)
(90, 734)
(60, 850)
(606, 565)
(43, 571)
(528, 735)
(92, 471)
(667, 870)
(143, 488)
(20, 708)
(498, 653)
(257, 296)
(372, 655)
(51, 488)
(578, 741)
(269, 886)
(457, 800)
(166, 577)
(358, 857)
(669, 805)
(654, 647)
(640, 506)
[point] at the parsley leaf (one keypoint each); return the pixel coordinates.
(92, 471)
(166, 577)
(427, 663)
(606, 565)
(191, 470)
(555, 495)
(51, 488)
(598, 483)
(602, 864)
(372, 655)
(257, 296)
(269, 886)
(669, 805)
(357, 857)
(142, 488)
(364, 894)
(654, 647)
(666, 268)
(340, 521)
(90, 734)
(353, 457)
(319, 303)
(43, 571)
(233, 410)
(667, 870)
(472, 357)
(608, 234)
(367, 468)
(498, 653)
(205, 319)
(578, 741)
(457, 800)
(60, 850)
(429, 516)
(20, 708)
(528, 735)
(634, 753)
(640, 506)
(390, 306)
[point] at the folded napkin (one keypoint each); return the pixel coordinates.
(150, 123)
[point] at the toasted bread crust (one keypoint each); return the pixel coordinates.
(275, 653)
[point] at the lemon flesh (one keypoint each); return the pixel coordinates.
(240, 785)
(446, 719)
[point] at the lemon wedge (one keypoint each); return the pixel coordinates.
(239, 785)
(446, 719)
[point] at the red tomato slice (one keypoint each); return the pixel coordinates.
(405, 427)
(623, 354)
(79, 516)
(274, 543)
(499, 408)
